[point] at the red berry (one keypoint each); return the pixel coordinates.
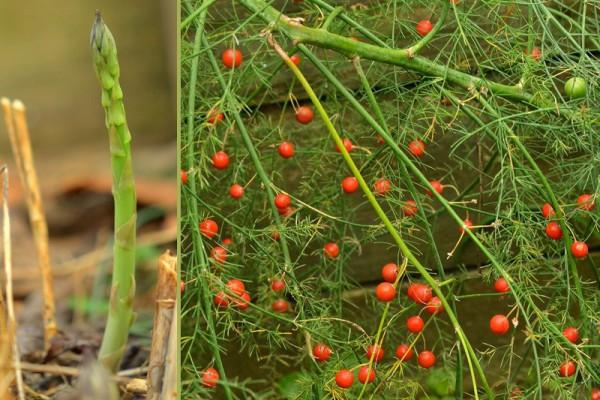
(415, 324)
(424, 27)
(182, 287)
(275, 235)
(277, 285)
(219, 254)
(389, 272)
(366, 374)
(536, 53)
(209, 228)
(344, 378)
(232, 58)
(236, 191)
(184, 177)
(220, 160)
(280, 306)
(236, 286)
(286, 149)
(350, 184)
(244, 302)
(380, 139)
(467, 224)
(331, 250)
(437, 186)
(499, 324)
(304, 115)
(221, 300)
(553, 230)
(571, 334)
(385, 292)
(417, 148)
(375, 352)
(347, 144)
(501, 286)
(382, 186)
(295, 59)
(321, 352)
(227, 242)
(434, 306)
(595, 394)
(567, 368)
(210, 378)
(411, 290)
(282, 201)
(579, 249)
(404, 352)
(409, 208)
(286, 212)
(421, 293)
(214, 116)
(586, 202)
(426, 359)
(547, 210)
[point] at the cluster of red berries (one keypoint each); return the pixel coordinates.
(568, 367)
(417, 292)
(344, 378)
(386, 291)
(579, 249)
(235, 294)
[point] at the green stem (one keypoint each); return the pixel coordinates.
(120, 312)
(472, 358)
(192, 203)
(400, 57)
(288, 267)
(415, 196)
(552, 198)
(331, 17)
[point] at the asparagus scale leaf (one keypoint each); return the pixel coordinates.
(120, 313)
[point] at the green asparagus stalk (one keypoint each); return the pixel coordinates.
(120, 313)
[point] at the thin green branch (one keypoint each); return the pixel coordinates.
(471, 358)
(192, 205)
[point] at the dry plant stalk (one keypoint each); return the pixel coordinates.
(164, 314)
(6, 371)
(170, 390)
(18, 132)
(12, 322)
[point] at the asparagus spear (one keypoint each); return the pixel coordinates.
(120, 313)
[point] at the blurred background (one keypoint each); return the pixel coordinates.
(45, 61)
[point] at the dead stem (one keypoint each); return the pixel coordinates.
(170, 377)
(12, 322)
(21, 146)
(164, 314)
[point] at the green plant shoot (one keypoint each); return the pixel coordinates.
(120, 313)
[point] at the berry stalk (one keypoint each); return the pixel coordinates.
(120, 312)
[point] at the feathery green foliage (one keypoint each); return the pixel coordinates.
(485, 90)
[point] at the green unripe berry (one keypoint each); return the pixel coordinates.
(575, 88)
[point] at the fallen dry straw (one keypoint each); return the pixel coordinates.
(18, 132)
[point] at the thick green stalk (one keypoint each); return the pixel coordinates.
(120, 312)
(400, 57)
